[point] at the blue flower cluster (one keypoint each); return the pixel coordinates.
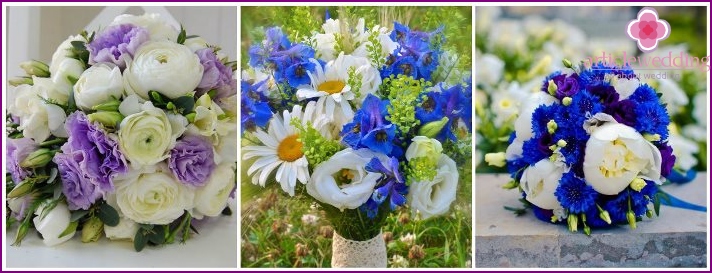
(580, 96)
(417, 55)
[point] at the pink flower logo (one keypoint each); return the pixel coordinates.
(648, 29)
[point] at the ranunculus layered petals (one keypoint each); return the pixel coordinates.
(166, 67)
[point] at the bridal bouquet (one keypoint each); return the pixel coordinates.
(129, 133)
(361, 120)
(591, 148)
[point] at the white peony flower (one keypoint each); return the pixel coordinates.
(62, 53)
(146, 136)
(98, 84)
(540, 181)
(38, 120)
(157, 27)
(615, 155)
(166, 67)
(151, 195)
(350, 165)
(489, 69)
(53, 224)
(424, 147)
(211, 199)
(433, 198)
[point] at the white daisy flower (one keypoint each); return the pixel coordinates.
(330, 85)
(281, 149)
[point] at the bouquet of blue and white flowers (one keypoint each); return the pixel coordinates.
(591, 148)
(361, 120)
(130, 132)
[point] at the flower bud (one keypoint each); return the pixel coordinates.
(20, 81)
(567, 63)
(631, 219)
(573, 222)
(605, 217)
(587, 230)
(552, 88)
(21, 233)
(649, 213)
(638, 184)
(510, 185)
(20, 190)
(551, 126)
(108, 119)
(496, 159)
(416, 252)
(651, 138)
(566, 101)
(561, 143)
(38, 158)
(35, 68)
(92, 230)
(431, 129)
(110, 106)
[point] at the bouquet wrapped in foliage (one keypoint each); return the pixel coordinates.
(591, 148)
(359, 119)
(130, 133)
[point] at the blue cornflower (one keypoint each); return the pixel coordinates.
(644, 93)
(542, 116)
(390, 186)
(583, 104)
(596, 75)
(534, 150)
(652, 118)
(574, 195)
(255, 111)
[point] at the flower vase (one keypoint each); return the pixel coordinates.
(350, 253)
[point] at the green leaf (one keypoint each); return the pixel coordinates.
(517, 211)
(78, 214)
(157, 235)
(108, 215)
(72, 227)
(140, 240)
(182, 36)
(184, 104)
(79, 45)
(191, 37)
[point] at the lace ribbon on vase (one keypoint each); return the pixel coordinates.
(349, 253)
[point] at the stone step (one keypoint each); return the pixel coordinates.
(677, 238)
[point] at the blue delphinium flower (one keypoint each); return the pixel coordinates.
(255, 111)
(574, 195)
(417, 55)
(452, 103)
(286, 59)
(406, 66)
(370, 129)
(297, 73)
(390, 186)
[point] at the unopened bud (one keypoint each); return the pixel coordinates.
(111, 106)
(566, 101)
(21, 81)
(92, 230)
(35, 68)
(567, 63)
(551, 126)
(433, 128)
(20, 190)
(552, 88)
(38, 158)
(573, 222)
(108, 119)
(631, 219)
(496, 159)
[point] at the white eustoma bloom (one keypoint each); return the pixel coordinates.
(615, 155)
(166, 67)
(540, 181)
(424, 147)
(158, 28)
(53, 224)
(67, 71)
(433, 198)
(151, 195)
(98, 84)
(38, 120)
(211, 199)
(684, 151)
(348, 164)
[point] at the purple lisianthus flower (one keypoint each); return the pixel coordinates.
(215, 74)
(668, 159)
(117, 43)
(191, 160)
(114, 162)
(17, 151)
(77, 184)
(566, 85)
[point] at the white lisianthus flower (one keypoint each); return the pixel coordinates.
(97, 85)
(166, 67)
(196, 43)
(63, 52)
(540, 181)
(157, 27)
(347, 164)
(146, 136)
(211, 199)
(489, 69)
(506, 105)
(615, 155)
(424, 147)
(126, 229)
(523, 123)
(432, 198)
(68, 69)
(151, 195)
(53, 224)
(38, 120)
(47, 89)
(206, 117)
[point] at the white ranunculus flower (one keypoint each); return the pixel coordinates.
(98, 84)
(157, 27)
(146, 136)
(211, 199)
(523, 123)
(349, 164)
(432, 198)
(684, 151)
(67, 69)
(489, 69)
(126, 229)
(615, 155)
(38, 120)
(424, 147)
(63, 52)
(53, 224)
(540, 181)
(151, 195)
(166, 67)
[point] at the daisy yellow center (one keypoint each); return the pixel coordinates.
(331, 87)
(290, 149)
